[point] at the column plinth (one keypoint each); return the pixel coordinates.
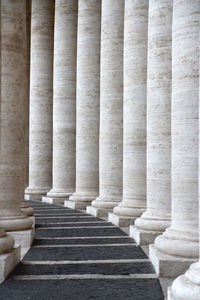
(111, 124)
(157, 217)
(179, 244)
(134, 114)
(87, 104)
(9, 256)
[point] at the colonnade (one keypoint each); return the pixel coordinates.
(114, 122)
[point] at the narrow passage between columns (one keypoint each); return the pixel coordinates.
(78, 256)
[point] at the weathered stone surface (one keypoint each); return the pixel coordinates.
(41, 98)
(134, 112)
(64, 99)
(87, 101)
(110, 159)
(157, 215)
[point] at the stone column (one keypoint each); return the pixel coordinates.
(29, 211)
(64, 101)
(12, 131)
(110, 160)
(87, 104)
(134, 111)
(177, 247)
(41, 95)
(156, 218)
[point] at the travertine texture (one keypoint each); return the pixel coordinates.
(64, 98)
(157, 216)
(41, 98)
(12, 131)
(87, 101)
(134, 111)
(186, 37)
(29, 211)
(110, 160)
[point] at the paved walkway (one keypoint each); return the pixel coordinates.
(76, 256)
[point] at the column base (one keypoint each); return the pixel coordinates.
(33, 197)
(76, 205)
(185, 290)
(53, 200)
(168, 265)
(143, 237)
(24, 238)
(120, 221)
(98, 212)
(29, 211)
(8, 261)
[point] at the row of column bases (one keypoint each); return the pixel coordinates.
(122, 82)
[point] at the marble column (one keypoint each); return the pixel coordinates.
(134, 111)
(64, 101)
(156, 218)
(111, 135)
(29, 211)
(178, 246)
(12, 131)
(41, 99)
(87, 104)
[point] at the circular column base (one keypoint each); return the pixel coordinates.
(187, 286)
(106, 202)
(175, 244)
(15, 223)
(125, 211)
(59, 194)
(152, 223)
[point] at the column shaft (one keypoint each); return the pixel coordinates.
(178, 246)
(87, 104)
(134, 112)
(64, 101)
(111, 135)
(157, 215)
(41, 95)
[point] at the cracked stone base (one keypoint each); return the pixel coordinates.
(98, 212)
(76, 205)
(53, 200)
(120, 220)
(33, 197)
(8, 261)
(143, 237)
(168, 265)
(24, 238)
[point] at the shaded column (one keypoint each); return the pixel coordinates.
(29, 211)
(156, 218)
(134, 112)
(64, 101)
(178, 246)
(87, 104)
(41, 98)
(110, 145)
(12, 130)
